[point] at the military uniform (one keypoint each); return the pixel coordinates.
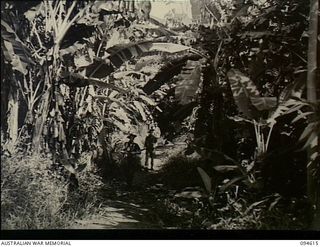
(149, 145)
(132, 160)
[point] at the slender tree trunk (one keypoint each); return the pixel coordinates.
(312, 94)
(4, 92)
(13, 114)
(40, 121)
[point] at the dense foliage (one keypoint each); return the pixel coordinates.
(77, 77)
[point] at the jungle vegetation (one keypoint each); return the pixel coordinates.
(241, 89)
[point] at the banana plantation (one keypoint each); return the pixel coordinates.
(160, 114)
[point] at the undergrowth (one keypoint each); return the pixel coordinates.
(234, 209)
(180, 172)
(35, 195)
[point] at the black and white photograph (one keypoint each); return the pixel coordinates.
(160, 115)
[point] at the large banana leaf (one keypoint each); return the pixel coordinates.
(167, 72)
(122, 53)
(14, 50)
(189, 81)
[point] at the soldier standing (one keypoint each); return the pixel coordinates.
(132, 159)
(149, 145)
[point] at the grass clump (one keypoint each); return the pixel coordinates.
(32, 195)
(36, 195)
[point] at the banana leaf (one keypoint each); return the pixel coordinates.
(167, 72)
(121, 53)
(188, 83)
(14, 50)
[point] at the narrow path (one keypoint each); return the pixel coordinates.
(126, 209)
(135, 209)
(121, 215)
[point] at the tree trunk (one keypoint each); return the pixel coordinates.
(40, 122)
(4, 92)
(13, 114)
(312, 95)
